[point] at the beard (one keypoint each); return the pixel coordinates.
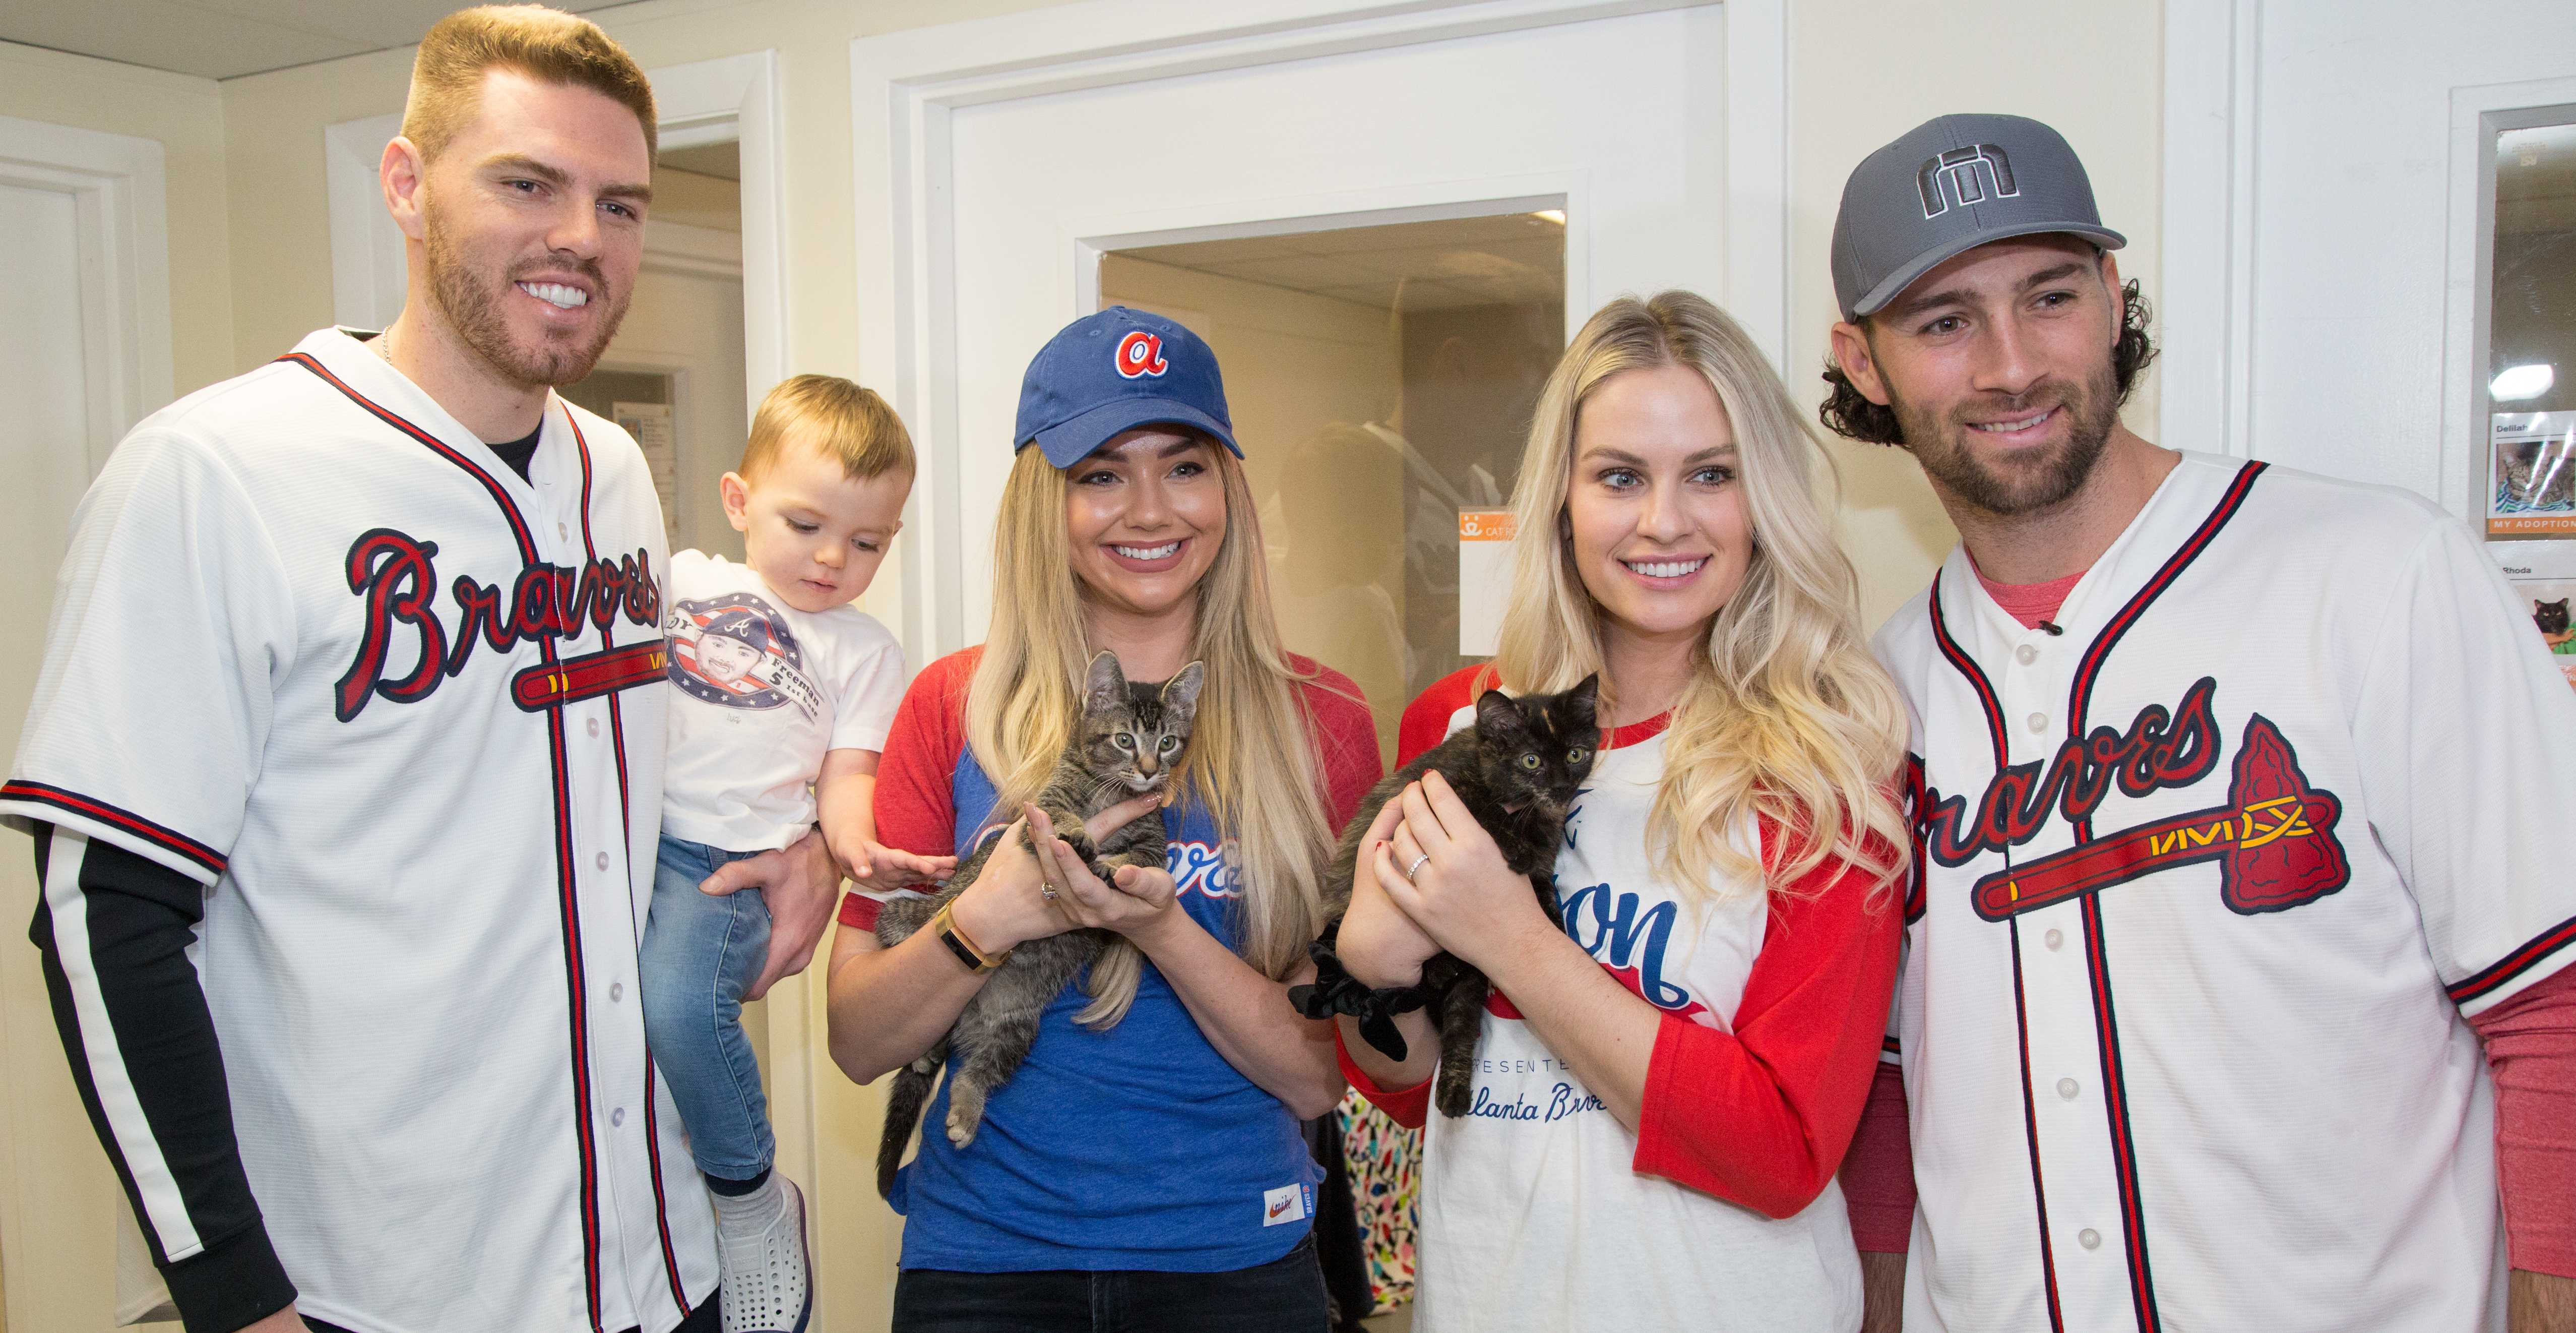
(2028, 481)
(471, 297)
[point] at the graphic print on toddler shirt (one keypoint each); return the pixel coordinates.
(736, 650)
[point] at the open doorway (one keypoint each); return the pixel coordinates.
(675, 377)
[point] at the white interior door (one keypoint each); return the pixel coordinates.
(2321, 227)
(1007, 193)
(84, 353)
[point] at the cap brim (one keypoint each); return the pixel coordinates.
(1895, 283)
(1067, 442)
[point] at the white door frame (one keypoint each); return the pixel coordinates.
(116, 186)
(731, 99)
(2213, 88)
(905, 86)
(121, 215)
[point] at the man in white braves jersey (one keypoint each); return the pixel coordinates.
(2241, 802)
(345, 769)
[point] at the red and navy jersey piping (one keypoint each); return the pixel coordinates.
(1968, 669)
(2501, 973)
(2115, 1098)
(90, 807)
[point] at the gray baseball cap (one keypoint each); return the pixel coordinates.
(1952, 184)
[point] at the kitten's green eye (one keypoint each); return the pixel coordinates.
(1529, 761)
(1575, 755)
(1171, 743)
(1124, 741)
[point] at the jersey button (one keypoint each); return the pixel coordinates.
(2025, 654)
(616, 991)
(617, 1120)
(594, 726)
(2039, 722)
(564, 531)
(603, 860)
(2089, 1238)
(2055, 938)
(2066, 1088)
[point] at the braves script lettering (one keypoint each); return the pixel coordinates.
(396, 576)
(2159, 750)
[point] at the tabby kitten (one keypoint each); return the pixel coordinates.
(1127, 743)
(1517, 770)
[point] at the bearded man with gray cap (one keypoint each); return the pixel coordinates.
(2239, 797)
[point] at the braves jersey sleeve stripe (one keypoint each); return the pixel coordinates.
(2525, 961)
(113, 930)
(87, 810)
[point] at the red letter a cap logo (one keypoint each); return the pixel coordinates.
(1141, 354)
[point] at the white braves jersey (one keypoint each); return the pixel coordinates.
(401, 713)
(1534, 1214)
(2206, 884)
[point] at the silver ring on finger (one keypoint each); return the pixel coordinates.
(1417, 865)
(1046, 890)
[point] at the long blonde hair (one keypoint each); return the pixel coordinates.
(1250, 760)
(1786, 716)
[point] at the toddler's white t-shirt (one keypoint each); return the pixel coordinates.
(761, 692)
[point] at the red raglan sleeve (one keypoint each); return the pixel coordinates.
(1424, 724)
(1761, 1115)
(1345, 737)
(914, 807)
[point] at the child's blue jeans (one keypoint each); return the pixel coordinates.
(700, 953)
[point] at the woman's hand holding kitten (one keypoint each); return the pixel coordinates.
(1006, 907)
(1462, 895)
(1136, 905)
(1380, 945)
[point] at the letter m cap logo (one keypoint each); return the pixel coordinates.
(1964, 176)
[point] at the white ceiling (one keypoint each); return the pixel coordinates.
(222, 39)
(1505, 260)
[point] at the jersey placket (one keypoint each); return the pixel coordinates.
(2078, 1178)
(638, 1273)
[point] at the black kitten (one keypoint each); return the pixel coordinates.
(1517, 770)
(2551, 617)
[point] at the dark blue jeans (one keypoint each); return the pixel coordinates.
(1285, 1295)
(699, 955)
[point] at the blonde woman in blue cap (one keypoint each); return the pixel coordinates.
(1149, 1175)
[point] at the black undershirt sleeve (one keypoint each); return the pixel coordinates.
(139, 919)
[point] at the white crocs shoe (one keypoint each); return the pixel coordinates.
(765, 1285)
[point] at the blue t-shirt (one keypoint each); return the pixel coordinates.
(1135, 1148)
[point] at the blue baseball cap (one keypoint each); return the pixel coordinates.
(1115, 371)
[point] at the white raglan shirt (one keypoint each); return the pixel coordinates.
(2324, 786)
(1533, 1213)
(401, 712)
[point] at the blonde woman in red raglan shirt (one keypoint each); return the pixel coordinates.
(1665, 1086)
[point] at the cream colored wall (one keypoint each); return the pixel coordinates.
(186, 117)
(1863, 72)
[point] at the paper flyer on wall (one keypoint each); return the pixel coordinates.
(1484, 578)
(650, 424)
(2535, 477)
(2543, 575)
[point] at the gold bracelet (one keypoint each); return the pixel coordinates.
(943, 923)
